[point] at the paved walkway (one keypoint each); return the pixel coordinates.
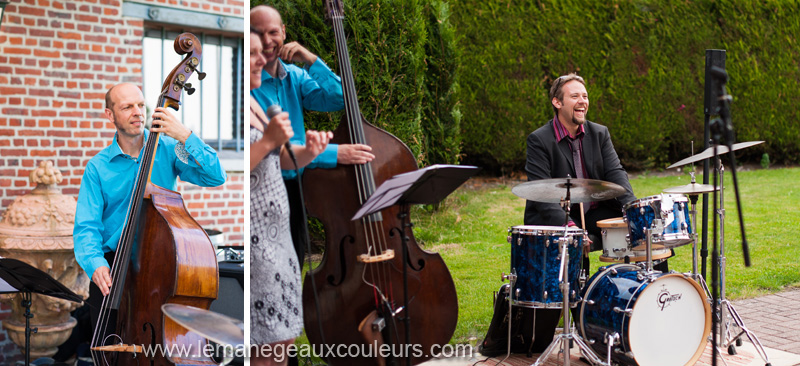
(774, 319)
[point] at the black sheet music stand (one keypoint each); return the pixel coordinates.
(425, 186)
(18, 276)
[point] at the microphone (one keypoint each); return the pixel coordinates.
(273, 111)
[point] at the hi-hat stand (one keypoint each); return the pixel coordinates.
(721, 129)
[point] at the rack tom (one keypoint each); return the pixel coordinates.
(666, 214)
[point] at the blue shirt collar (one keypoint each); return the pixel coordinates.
(117, 151)
(281, 72)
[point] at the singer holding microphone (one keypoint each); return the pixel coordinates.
(314, 87)
(276, 306)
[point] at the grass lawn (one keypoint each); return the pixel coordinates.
(471, 226)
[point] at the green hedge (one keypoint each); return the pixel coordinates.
(403, 57)
(469, 78)
(644, 64)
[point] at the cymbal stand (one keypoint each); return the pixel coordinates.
(695, 273)
(726, 308)
(568, 335)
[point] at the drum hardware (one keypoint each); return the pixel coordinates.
(620, 300)
(693, 190)
(723, 308)
(666, 214)
(611, 340)
(569, 334)
(224, 330)
(569, 246)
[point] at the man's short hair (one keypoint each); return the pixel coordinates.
(556, 90)
(109, 101)
(264, 6)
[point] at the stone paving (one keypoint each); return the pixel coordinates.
(775, 319)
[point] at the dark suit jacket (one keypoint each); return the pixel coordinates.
(550, 159)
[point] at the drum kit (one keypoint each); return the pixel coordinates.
(627, 312)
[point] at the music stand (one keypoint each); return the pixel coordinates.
(424, 186)
(18, 276)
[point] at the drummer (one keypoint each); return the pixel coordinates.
(571, 145)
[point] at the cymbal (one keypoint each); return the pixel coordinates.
(692, 189)
(219, 328)
(721, 149)
(581, 190)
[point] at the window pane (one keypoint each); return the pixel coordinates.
(209, 112)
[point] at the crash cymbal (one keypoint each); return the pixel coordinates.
(721, 149)
(581, 190)
(692, 189)
(219, 328)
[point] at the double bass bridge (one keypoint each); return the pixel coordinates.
(386, 255)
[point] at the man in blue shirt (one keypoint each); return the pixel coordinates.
(110, 175)
(314, 87)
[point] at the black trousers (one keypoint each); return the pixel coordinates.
(296, 222)
(95, 302)
(546, 320)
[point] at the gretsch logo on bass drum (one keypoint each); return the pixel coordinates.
(665, 299)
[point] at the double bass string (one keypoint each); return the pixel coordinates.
(124, 246)
(364, 179)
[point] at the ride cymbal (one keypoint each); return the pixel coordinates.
(554, 190)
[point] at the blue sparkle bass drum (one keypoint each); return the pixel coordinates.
(657, 319)
(536, 260)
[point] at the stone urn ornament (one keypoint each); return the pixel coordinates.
(37, 229)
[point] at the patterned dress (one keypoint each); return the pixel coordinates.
(276, 309)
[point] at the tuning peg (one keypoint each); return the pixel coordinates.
(189, 89)
(201, 75)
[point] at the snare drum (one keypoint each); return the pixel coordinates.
(616, 245)
(666, 214)
(661, 319)
(535, 259)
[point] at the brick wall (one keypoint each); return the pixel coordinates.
(57, 59)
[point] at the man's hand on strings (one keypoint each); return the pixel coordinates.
(354, 154)
(102, 278)
(169, 125)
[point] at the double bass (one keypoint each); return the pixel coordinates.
(355, 295)
(163, 256)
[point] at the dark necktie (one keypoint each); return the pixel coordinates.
(575, 145)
